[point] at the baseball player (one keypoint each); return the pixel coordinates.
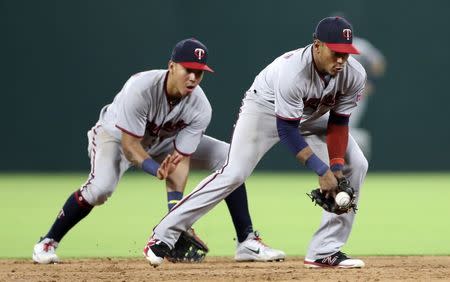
(156, 123)
(304, 99)
(374, 63)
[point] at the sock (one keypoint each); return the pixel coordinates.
(173, 198)
(238, 206)
(74, 210)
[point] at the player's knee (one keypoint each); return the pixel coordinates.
(363, 164)
(359, 166)
(96, 195)
(216, 164)
(238, 178)
(220, 156)
(366, 165)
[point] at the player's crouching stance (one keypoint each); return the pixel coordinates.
(303, 99)
(157, 123)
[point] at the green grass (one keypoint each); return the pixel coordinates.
(400, 214)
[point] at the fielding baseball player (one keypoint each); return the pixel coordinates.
(304, 99)
(374, 63)
(156, 123)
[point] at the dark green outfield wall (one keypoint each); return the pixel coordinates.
(62, 60)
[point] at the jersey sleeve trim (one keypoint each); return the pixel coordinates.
(128, 132)
(181, 153)
(285, 118)
(338, 119)
(339, 114)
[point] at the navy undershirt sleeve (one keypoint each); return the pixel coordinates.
(338, 119)
(290, 136)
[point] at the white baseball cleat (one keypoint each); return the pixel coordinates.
(44, 251)
(337, 260)
(155, 251)
(253, 249)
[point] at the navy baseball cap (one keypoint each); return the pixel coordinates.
(191, 54)
(337, 34)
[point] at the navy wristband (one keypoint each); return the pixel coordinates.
(316, 164)
(336, 167)
(150, 166)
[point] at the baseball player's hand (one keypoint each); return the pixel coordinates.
(328, 202)
(168, 165)
(328, 183)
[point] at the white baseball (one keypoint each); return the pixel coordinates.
(342, 199)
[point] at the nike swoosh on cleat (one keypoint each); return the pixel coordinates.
(252, 250)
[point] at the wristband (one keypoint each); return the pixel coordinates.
(150, 166)
(314, 163)
(336, 164)
(336, 167)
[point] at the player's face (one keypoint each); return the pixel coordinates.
(183, 80)
(328, 61)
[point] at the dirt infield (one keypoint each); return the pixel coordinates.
(403, 268)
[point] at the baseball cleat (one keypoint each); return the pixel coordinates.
(44, 251)
(253, 249)
(338, 260)
(155, 251)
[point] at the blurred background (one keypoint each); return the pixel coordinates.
(61, 61)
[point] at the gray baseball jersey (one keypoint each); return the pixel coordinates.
(297, 91)
(141, 109)
(291, 88)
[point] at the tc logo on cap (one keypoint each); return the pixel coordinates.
(191, 54)
(347, 33)
(337, 34)
(199, 53)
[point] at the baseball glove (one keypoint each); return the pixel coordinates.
(327, 202)
(188, 248)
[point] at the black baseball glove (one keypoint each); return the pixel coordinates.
(188, 248)
(327, 202)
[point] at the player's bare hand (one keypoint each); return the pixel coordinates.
(328, 183)
(168, 165)
(164, 167)
(176, 158)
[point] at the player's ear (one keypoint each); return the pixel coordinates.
(316, 44)
(171, 66)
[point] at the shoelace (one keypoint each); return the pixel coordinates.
(48, 245)
(257, 238)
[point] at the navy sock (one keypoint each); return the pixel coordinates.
(238, 206)
(74, 210)
(173, 198)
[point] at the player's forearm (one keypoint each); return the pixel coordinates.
(135, 154)
(337, 140)
(304, 155)
(290, 136)
(133, 150)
